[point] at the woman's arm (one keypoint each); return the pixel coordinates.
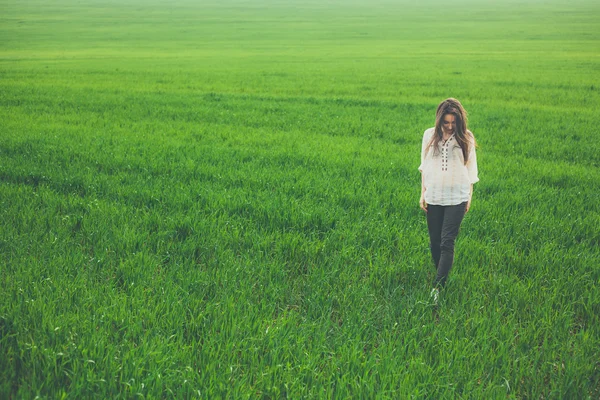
(422, 202)
(470, 197)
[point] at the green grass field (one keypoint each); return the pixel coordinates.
(220, 199)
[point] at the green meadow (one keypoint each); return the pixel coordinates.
(219, 199)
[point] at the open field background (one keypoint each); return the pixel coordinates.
(220, 199)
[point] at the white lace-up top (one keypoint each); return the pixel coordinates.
(446, 178)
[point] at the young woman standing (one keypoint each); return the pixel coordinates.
(448, 172)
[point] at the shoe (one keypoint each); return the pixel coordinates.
(435, 294)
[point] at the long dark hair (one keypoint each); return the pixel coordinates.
(463, 136)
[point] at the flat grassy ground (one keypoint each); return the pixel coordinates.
(220, 199)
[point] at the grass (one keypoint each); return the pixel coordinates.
(220, 199)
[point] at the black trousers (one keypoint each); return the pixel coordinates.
(443, 223)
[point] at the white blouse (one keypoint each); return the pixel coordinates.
(446, 177)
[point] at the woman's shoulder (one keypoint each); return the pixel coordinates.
(470, 136)
(429, 132)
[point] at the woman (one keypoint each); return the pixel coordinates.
(448, 172)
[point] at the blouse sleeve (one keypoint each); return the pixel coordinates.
(472, 165)
(426, 137)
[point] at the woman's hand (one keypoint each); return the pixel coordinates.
(470, 197)
(423, 204)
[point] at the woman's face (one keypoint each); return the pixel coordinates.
(449, 124)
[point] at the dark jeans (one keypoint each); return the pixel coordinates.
(443, 223)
